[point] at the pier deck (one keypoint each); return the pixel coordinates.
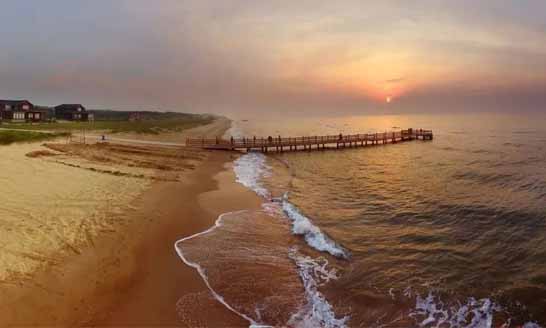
(307, 143)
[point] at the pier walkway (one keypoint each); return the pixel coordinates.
(281, 144)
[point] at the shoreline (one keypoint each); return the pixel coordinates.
(212, 180)
(134, 276)
(131, 274)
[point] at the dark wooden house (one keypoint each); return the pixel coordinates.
(72, 112)
(20, 111)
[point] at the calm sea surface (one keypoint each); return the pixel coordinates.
(442, 233)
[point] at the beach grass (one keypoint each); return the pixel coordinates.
(11, 136)
(156, 125)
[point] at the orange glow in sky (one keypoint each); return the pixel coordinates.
(278, 55)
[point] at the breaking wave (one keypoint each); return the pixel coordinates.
(250, 169)
(301, 225)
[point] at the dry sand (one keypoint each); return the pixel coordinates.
(47, 210)
(87, 235)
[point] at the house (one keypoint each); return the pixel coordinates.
(20, 111)
(73, 112)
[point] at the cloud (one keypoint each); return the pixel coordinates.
(283, 56)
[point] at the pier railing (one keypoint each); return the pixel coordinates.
(306, 142)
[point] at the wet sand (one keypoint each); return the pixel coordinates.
(130, 274)
(163, 276)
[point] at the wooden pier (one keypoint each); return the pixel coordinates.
(281, 144)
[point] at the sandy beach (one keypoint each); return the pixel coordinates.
(124, 271)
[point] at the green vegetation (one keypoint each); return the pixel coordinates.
(116, 122)
(9, 136)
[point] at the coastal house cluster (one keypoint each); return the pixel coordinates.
(25, 111)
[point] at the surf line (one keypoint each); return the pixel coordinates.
(218, 297)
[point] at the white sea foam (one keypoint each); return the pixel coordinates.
(250, 169)
(531, 325)
(317, 312)
(301, 225)
(434, 313)
(474, 313)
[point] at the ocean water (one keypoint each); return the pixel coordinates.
(442, 233)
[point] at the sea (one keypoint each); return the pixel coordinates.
(443, 233)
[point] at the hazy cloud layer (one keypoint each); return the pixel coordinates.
(276, 56)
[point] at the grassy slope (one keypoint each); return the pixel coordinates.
(152, 125)
(8, 136)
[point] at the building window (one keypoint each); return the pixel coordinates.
(26, 107)
(8, 107)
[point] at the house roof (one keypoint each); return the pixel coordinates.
(70, 107)
(14, 102)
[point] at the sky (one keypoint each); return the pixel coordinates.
(283, 56)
